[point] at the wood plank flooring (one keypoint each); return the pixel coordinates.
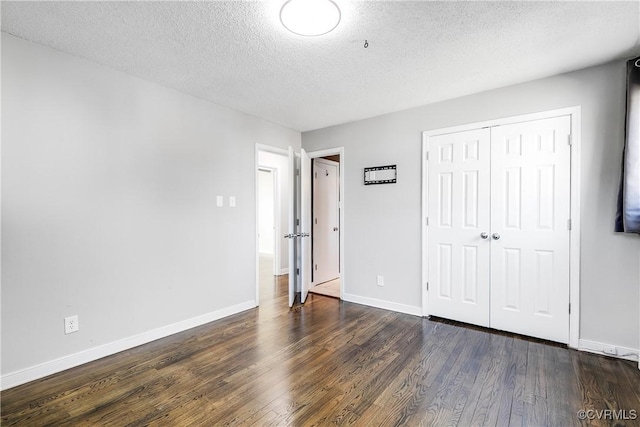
(332, 363)
(330, 288)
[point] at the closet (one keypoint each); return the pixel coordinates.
(498, 233)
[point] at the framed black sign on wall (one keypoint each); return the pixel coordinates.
(380, 175)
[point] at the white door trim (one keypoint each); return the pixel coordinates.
(320, 160)
(332, 152)
(574, 243)
(258, 149)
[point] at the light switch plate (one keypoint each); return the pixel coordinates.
(220, 201)
(232, 201)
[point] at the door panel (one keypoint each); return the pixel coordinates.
(305, 224)
(530, 209)
(458, 213)
(292, 227)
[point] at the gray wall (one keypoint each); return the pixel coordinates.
(382, 223)
(109, 188)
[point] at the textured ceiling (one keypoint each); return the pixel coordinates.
(237, 54)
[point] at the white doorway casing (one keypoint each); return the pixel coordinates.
(339, 151)
(274, 159)
(292, 180)
(479, 131)
(326, 217)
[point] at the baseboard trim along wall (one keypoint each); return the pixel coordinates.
(392, 306)
(609, 350)
(58, 365)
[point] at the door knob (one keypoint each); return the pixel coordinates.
(495, 236)
(335, 228)
(484, 235)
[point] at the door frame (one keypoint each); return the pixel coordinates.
(277, 213)
(574, 233)
(341, 168)
(313, 204)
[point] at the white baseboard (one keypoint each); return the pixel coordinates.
(599, 348)
(392, 306)
(54, 366)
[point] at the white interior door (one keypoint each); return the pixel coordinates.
(530, 211)
(305, 224)
(292, 226)
(458, 215)
(326, 242)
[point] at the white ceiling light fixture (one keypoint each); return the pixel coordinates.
(310, 17)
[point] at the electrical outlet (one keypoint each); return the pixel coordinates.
(71, 324)
(380, 280)
(611, 350)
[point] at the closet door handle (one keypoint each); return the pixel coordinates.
(484, 235)
(495, 236)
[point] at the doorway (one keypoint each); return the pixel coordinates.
(272, 252)
(296, 218)
(325, 212)
(328, 235)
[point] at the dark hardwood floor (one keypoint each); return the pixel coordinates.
(330, 362)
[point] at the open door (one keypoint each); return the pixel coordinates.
(299, 264)
(292, 227)
(305, 224)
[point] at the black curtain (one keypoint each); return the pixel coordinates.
(628, 215)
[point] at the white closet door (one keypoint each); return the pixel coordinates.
(530, 209)
(458, 216)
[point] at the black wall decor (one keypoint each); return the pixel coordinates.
(628, 214)
(380, 175)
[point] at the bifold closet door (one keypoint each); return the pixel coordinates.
(458, 211)
(530, 211)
